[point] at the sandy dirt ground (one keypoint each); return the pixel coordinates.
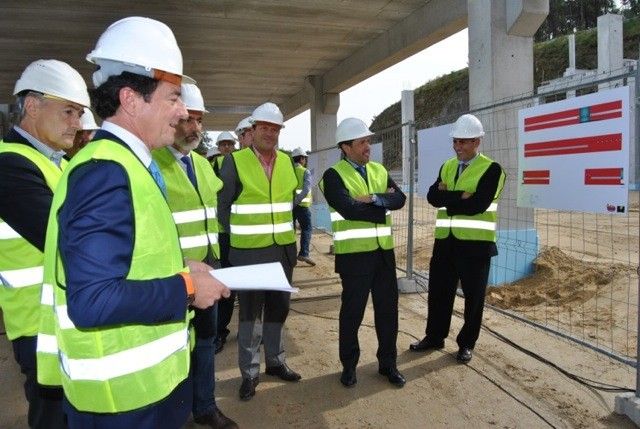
(502, 387)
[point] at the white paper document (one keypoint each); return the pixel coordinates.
(265, 277)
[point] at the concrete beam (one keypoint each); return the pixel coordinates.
(524, 17)
(431, 23)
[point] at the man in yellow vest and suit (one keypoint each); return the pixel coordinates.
(466, 194)
(192, 194)
(360, 194)
(50, 97)
(255, 207)
(118, 282)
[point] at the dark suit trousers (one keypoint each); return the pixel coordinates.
(225, 305)
(447, 267)
(45, 404)
(383, 285)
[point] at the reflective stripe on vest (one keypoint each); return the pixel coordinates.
(359, 236)
(127, 361)
(118, 368)
(193, 210)
(307, 200)
(21, 263)
(479, 227)
(261, 215)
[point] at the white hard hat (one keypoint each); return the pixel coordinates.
(213, 151)
(243, 125)
(298, 152)
(87, 121)
(268, 112)
(467, 127)
(55, 78)
(192, 97)
(225, 136)
(351, 129)
(141, 46)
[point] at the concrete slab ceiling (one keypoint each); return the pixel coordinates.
(241, 52)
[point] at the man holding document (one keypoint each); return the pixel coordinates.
(192, 190)
(255, 206)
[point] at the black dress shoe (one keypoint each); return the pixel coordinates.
(348, 377)
(216, 420)
(283, 372)
(426, 344)
(393, 375)
(219, 345)
(464, 355)
(248, 388)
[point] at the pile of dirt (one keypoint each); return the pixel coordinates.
(558, 280)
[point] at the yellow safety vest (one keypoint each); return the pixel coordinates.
(21, 264)
(194, 211)
(481, 226)
(352, 236)
(261, 215)
(114, 369)
(307, 200)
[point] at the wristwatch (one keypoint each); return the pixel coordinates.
(188, 285)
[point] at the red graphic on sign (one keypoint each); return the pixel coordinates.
(603, 176)
(603, 143)
(536, 177)
(596, 112)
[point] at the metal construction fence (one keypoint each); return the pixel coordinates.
(574, 273)
(578, 276)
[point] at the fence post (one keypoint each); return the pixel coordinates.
(408, 283)
(636, 100)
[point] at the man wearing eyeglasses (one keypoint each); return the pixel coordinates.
(466, 194)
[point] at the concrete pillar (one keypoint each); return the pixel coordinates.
(324, 107)
(501, 67)
(609, 43)
(571, 70)
(323, 116)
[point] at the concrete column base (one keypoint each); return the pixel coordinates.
(629, 405)
(406, 285)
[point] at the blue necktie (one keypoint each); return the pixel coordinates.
(362, 172)
(186, 160)
(157, 176)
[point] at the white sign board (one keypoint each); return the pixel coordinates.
(574, 154)
(434, 148)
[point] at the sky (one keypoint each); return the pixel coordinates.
(373, 95)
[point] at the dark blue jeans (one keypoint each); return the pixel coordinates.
(303, 216)
(203, 361)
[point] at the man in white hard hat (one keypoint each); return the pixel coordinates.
(226, 143)
(84, 134)
(51, 96)
(301, 204)
(192, 190)
(244, 131)
(360, 194)
(121, 286)
(466, 194)
(212, 154)
(255, 207)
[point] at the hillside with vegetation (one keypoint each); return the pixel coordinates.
(440, 101)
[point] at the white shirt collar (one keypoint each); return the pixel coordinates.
(137, 146)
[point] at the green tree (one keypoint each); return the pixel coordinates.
(567, 16)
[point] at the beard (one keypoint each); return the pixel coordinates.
(189, 143)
